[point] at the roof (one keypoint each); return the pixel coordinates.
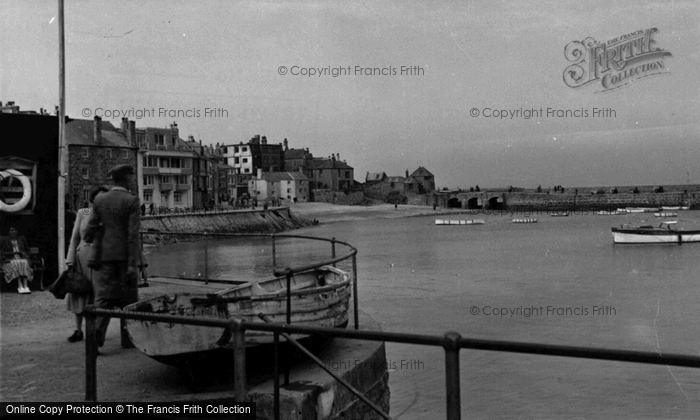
(325, 163)
(82, 133)
(283, 176)
(294, 154)
(376, 176)
(421, 171)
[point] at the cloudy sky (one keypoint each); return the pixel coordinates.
(189, 56)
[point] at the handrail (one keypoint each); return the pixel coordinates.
(451, 342)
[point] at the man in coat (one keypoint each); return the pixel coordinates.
(115, 227)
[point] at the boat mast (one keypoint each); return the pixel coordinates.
(62, 155)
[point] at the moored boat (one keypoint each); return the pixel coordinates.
(524, 220)
(319, 297)
(666, 214)
(609, 212)
(444, 222)
(560, 214)
(664, 233)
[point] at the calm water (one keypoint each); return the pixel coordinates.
(420, 278)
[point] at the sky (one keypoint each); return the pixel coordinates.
(249, 62)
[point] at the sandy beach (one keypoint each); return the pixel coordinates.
(328, 213)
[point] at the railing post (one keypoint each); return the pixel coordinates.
(90, 356)
(277, 375)
(333, 249)
(239, 387)
(274, 252)
(451, 346)
(206, 259)
(354, 291)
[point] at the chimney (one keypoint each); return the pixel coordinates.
(190, 138)
(259, 173)
(264, 140)
(406, 173)
(97, 130)
(132, 133)
(286, 145)
(125, 125)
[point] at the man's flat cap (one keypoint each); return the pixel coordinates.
(120, 171)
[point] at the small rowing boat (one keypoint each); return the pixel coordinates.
(319, 298)
(560, 214)
(524, 220)
(666, 214)
(666, 232)
(609, 212)
(445, 222)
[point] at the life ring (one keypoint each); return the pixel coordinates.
(27, 193)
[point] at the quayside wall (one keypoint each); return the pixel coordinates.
(276, 219)
(554, 201)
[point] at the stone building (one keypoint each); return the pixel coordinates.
(165, 168)
(246, 158)
(95, 146)
(290, 186)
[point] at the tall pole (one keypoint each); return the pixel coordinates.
(62, 152)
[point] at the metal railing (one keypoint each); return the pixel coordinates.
(451, 342)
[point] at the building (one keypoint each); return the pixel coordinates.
(247, 158)
(94, 147)
(165, 168)
(423, 179)
(202, 192)
(330, 174)
(291, 186)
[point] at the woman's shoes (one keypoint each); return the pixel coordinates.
(77, 336)
(23, 290)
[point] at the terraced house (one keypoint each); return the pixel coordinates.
(165, 168)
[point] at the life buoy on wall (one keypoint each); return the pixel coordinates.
(26, 194)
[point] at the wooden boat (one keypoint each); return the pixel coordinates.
(665, 233)
(444, 222)
(524, 220)
(319, 297)
(560, 214)
(674, 208)
(666, 214)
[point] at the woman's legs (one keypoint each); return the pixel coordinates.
(78, 333)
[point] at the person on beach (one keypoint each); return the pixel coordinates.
(114, 228)
(15, 261)
(78, 253)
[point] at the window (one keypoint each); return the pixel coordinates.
(289, 190)
(236, 160)
(86, 196)
(108, 153)
(141, 139)
(150, 162)
(174, 141)
(245, 160)
(125, 154)
(235, 149)
(85, 172)
(177, 195)
(160, 139)
(247, 170)
(148, 196)
(164, 162)
(165, 179)
(175, 163)
(244, 149)
(347, 174)
(182, 179)
(148, 180)
(86, 152)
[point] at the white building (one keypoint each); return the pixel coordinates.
(291, 186)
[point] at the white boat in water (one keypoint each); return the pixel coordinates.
(675, 208)
(664, 233)
(319, 298)
(524, 220)
(444, 222)
(666, 214)
(610, 212)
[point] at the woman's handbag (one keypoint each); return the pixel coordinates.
(77, 283)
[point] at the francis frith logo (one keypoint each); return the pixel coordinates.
(615, 63)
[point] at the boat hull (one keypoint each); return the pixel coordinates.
(318, 298)
(445, 222)
(654, 236)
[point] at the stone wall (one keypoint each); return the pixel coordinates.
(334, 197)
(239, 221)
(557, 201)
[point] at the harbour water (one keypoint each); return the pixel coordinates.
(558, 281)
